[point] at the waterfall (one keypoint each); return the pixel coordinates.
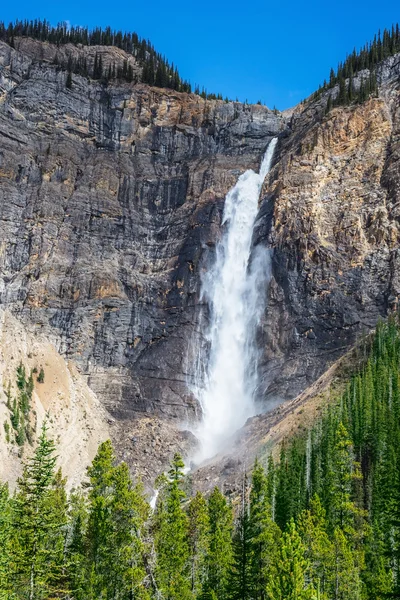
(235, 290)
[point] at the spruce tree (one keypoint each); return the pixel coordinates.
(289, 571)
(99, 522)
(76, 546)
(129, 513)
(171, 529)
(265, 533)
(240, 584)
(5, 543)
(38, 526)
(346, 582)
(198, 542)
(219, 557)
(318, 548)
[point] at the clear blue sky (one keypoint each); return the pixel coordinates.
(276, 52)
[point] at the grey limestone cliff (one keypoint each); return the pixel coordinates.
(110, 199)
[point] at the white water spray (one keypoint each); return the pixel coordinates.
(235, 290)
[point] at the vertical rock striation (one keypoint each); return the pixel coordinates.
(110, 197)
(331, 214)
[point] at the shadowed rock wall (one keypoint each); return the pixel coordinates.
(109, 197)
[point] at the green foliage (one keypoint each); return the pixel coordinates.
(20, 408)
(219, 557)
(351, 470)
(6, 425)
(264, 532)
(40, 377)
(321, 523)
(363, 65)
(117, 514)
(171, 537)
(5, 542)
(76, 548)
(155, 69)
(289, 570)
(38, 520)
(318, 547)
(199, 524)
(240, 584)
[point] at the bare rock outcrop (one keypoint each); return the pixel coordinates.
(109, 195)
(331, 214)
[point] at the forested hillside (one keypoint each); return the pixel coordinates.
(323, 523)
(155, 68)
(157, 71)
(367, 58)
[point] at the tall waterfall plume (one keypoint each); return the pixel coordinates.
(235, 290)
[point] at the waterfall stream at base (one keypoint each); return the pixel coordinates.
(235, 289)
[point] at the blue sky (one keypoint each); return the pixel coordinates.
(276, 52)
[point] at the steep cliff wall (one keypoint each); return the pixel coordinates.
(110, 206)
(331, 213)
(110, 197)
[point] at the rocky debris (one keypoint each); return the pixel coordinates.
(261, 435)
(148, 445)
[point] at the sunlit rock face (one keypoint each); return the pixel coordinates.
(331, 213)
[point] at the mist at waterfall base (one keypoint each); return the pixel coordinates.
(235, 290)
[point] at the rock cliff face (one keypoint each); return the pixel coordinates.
(110, 206)
(331, 213)
(109, 195)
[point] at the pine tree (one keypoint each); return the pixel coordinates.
(345, 472)
(5, 543)
(328, 104)
(288, 579)
(76, 557)
(68, 81)
(198, 542)
(219, 558)
(282, 492)
(172, 539)
(38, 521)
(240, 584)
(129, 513)
(346, 584)
(99, 522)
(98, 66)
(318, 547)
(265, 534)
(350, 88)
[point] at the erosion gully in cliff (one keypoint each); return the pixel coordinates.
(234, 288)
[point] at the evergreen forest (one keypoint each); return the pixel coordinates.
(321, 521)
(157, 71)
(155, 68)
(362, 64)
